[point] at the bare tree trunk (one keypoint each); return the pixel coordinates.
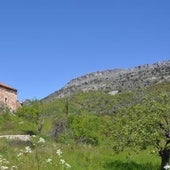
(165, 159)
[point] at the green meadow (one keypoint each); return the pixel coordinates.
(76, 157)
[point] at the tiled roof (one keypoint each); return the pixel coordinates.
(7, 87)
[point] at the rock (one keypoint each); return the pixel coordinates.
(113, 92)
(116, 79)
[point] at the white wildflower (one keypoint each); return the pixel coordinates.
(62, 161)
(49, 160)
(14, 167)
(167, 166)
(4, 167)
(68, 165)
(1, 159)
(59, 152)
(41, 140)
(5, 161)
(153, 151)
(28, 149)
(20, 154)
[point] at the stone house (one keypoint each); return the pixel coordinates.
(8, 97)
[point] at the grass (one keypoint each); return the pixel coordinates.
(79, 157)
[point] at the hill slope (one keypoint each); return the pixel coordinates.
(112, 81)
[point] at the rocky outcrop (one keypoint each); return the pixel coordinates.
(116, 80)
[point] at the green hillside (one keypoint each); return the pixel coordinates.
(93, 130)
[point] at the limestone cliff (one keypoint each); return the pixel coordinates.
(116, 80)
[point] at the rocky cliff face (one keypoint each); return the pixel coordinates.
(116, 80)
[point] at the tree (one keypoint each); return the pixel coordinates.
(145, 124)
(33, 113)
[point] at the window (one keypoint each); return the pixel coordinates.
(6, 99)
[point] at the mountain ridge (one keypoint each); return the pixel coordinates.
(115, 80)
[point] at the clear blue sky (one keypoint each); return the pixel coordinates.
(46, 43)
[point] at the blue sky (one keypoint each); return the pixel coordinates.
(46, 43)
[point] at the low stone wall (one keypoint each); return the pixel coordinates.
(17, 137)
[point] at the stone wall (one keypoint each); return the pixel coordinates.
(8, 97)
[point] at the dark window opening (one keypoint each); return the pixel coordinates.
(5, 99)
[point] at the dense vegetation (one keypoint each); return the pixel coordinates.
(92, 130)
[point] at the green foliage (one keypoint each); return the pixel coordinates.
(85, 128)
(33, 113)
(12, 124)
(92, 126)
(144, 124)
(30, 111)
(98, 102)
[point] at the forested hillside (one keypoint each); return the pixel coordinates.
(96, 130)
